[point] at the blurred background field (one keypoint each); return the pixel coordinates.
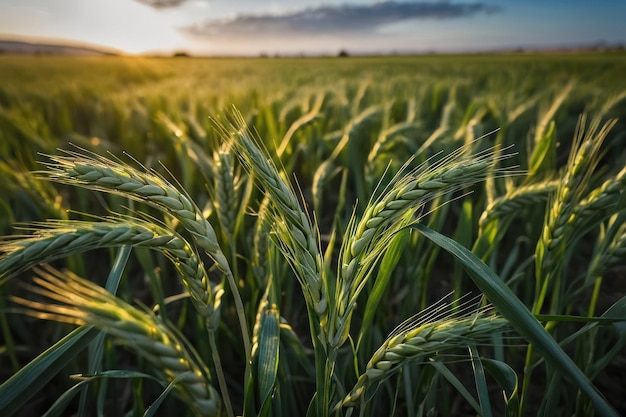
(48, 101)
(339, 127)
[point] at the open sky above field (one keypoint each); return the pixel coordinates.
(252, 27)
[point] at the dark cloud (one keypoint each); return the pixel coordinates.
(162, 4)
(337, 19)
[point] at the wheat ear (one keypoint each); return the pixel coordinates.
(612, 255)
(583, 160)
(57, 239)
(293, 229)
(262, 228)
(517, 199)
(102, 174)
(81, 302)
(433, 331)
(599, 202)
(99, 173)
(225, 191)
(557, 229)
(393, 209)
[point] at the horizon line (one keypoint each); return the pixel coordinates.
(597, 45)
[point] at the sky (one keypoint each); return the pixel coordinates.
(288, 27)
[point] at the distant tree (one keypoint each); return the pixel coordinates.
(343, 54)
(181, 54)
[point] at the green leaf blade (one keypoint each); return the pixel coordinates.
(23, 385)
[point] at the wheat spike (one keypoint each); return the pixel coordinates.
(582, 162)
(517, 199)
(99, 173)
(57, 239)
(296, 236)
(437, 329)
(81, 302)
(613, 254)
(395, 209)
(261, 244)
(599, 201)
(225, 191)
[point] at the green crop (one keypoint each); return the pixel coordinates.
(265, 237)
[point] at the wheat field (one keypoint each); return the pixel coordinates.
(407, 236)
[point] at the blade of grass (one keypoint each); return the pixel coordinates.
(62, 402)
(506, 377)
(463, 235)
(408, 392)
(9, 344)
(481, 382)
(550, 403)
(96, 347)
(269, 340)
(614, 316)
(154, 407)
(27, 382)
(456, 383)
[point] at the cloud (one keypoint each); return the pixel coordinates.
(336, 19)
(162, 4)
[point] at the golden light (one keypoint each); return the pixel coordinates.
(124, 25)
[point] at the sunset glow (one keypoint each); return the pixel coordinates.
(311, 27)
